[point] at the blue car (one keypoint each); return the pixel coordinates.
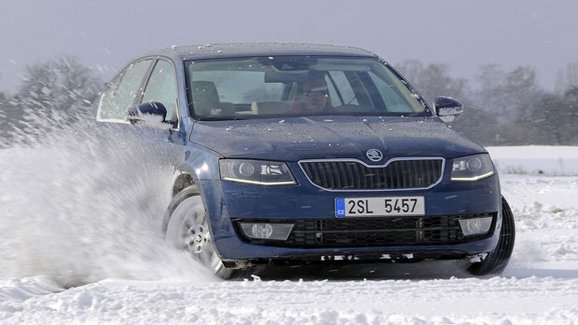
(301, 153)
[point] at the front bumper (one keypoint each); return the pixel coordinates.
(391, 254)
(228, 202)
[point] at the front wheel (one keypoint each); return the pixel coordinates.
(498, 259)
(186, 227)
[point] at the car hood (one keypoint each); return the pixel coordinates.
(293, 139)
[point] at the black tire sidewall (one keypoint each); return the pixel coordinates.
(184, 194)
(497, 260)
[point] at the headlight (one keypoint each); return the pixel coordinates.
(472, 168)
(256, 172)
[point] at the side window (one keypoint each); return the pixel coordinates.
(121, 93)
(162, 87)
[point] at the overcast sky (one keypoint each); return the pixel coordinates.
(461, 33)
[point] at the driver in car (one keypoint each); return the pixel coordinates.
(312, 98)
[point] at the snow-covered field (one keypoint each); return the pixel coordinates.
(77, 246)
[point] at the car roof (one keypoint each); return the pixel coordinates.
(232, 50)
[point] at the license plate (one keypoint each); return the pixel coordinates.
(380, 206)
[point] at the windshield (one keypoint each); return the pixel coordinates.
(285, 86)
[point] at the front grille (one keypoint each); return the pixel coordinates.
(354, 175)
(377, 231)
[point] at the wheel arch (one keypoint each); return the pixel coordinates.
(182, 181)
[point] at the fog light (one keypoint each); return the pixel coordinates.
(273, 231)
(475, 226)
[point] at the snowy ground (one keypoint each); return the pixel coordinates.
(71, 251)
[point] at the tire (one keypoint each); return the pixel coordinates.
(497, 260)
(186, 227)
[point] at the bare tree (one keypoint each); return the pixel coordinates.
(61, 84)
(3, 116)
(3, 101)
(11, 116)
(433, 79)
(53, 93)
(571, 104)
(506, 93)
(571, 97)
(567, 78)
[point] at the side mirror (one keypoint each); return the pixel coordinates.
(448, 108)
(151, 113)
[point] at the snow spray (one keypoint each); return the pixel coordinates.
(83, 201)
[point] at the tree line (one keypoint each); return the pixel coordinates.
(51, 94)
(502, 107)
